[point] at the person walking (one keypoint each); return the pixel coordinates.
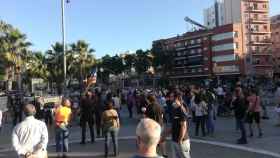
(111, 125)
(62, 120)
(240, 108)
(179, 130)
(148, 134)
(30, 137)
(87, 117)
(254, 112)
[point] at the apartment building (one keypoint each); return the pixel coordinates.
(275, 38)
(253, 15)
(205, 53)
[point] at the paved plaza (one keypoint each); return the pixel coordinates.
(220, 146)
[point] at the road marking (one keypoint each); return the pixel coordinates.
(215, 143)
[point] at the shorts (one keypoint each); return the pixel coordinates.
(254, 116)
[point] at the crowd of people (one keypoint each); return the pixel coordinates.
(162, 113)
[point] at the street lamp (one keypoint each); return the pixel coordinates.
(63, 26)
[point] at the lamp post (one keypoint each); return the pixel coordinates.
(63, 29)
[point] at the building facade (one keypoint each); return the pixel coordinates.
(254, 17)
(214, 15)
(205, 53)
(275, 38)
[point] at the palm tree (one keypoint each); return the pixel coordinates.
(13, 49)
(80, 54)
(54, 61)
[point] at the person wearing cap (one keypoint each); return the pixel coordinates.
(30, 137)
(62, 119)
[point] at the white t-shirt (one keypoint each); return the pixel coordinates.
(116, 102)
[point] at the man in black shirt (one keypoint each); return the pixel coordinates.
(180, 137)
(87, 113)
(240, 108)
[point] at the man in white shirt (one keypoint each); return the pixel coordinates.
(30, 137)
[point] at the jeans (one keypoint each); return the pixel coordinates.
(17, 118)
(241, 125)
(114, 135)
(200, 122)
(98, 123)
(210, 122)
(181, 150)
(90, 122)
(130, 110)
(62, 139)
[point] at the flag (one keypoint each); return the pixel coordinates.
(91, 79)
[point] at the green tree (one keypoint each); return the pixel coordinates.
(143, 61)
(13, 50)
(80, 60)
(54, 61)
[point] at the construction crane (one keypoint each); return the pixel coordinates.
(194, 23)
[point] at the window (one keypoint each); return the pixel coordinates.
(236, 46)
(223, 58)
(265, 27)
(199, 50)
(198, 40)
(179, 54)
(192, 41)
(186, 43)
(192, 51)
(223, 47)
(264, 6)
(223, 36)
(255, 6)
(235, 34)
(205, 48)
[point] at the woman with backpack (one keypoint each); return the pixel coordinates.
(111, 125)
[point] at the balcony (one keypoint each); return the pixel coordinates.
(259, 32)
(259, 21)
(260, 43)
(254, 53)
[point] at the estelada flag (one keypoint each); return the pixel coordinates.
(91, 79)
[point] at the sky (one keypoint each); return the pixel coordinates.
(110, 26)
